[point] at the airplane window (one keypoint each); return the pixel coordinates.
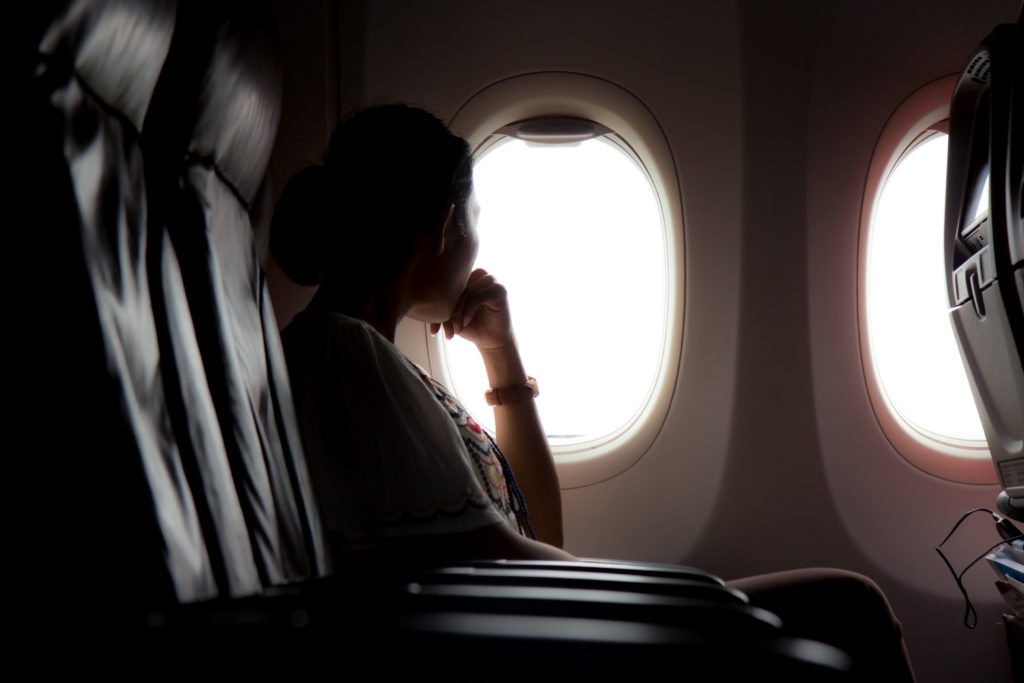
(914, 353)
(575, 231)
(581, 218)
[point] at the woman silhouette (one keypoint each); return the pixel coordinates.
(387, 228)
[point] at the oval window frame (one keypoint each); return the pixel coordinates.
(921, 114)
(569, 94)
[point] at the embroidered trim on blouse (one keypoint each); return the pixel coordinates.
(490, 462)
(408, 516)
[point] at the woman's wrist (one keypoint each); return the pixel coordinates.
(504, 365)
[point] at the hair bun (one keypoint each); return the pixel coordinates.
(304, 223)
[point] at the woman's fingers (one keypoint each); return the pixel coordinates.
(483, 293)
(481, 314)
(477, 274)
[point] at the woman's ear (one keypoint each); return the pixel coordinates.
(441, 234)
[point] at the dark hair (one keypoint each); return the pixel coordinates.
(389, 174)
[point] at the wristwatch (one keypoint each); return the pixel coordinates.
(516, 393)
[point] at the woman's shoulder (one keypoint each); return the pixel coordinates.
(318, 327)
(312, 319)
(329, 339)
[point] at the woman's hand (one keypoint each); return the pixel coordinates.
(481, 314)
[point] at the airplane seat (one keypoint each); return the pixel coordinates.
(166, 484)
(603, 566)
(207, 140)
(179, 467)
(984, 257)
(101, 419)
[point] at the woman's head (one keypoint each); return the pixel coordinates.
(389, 178)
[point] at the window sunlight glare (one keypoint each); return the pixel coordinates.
(575, 233)
(911, 337)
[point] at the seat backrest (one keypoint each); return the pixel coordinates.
(167, 464)
(213, 179)
(985, 257)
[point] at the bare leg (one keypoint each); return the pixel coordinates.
(838, 607)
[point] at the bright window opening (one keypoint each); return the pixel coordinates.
(913, 348)
(575, 232)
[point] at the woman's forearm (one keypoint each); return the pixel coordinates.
(521, 438)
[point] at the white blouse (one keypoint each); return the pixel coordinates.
(390, 452)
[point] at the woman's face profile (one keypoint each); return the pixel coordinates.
(444, 275)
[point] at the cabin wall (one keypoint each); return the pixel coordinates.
(868, 58)
(770, 457)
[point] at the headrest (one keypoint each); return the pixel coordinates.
(116, 47)
(239, 105)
